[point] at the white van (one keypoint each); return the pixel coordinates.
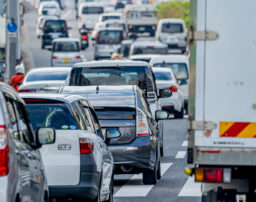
(88, 14)
(172, 32)
(180, 67)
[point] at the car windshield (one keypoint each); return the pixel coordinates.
(164, 76)
(92, 10)
(110, 17)
(55, 26)
(122, 75)
(172, 28)
(149, 50)
(115, 113)
(180, 70)
(69, 46)
(47, 76)
(51, 115)
(110, 37)
(50, 7)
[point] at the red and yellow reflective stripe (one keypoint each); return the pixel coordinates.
(237, 129)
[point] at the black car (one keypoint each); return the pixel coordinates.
(53, 29)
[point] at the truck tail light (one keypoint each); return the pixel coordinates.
(86, 146)
(173, 89)
(4, 151)
(142, 124)
(213, 175)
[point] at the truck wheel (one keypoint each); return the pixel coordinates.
(150, 176)
(179, 115)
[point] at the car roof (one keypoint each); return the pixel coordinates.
(171, 20)
(52, 96)
(108, 96)
(66, 40)
(110, 29)
(49, 69)
(142, 43)
(111, 63)
(143, 56)
(170, 58)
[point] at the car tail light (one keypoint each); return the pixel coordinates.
(84, 37)
(26, 91)
(142, 124)
(173, 89)
(78, 57)
(217, 175)
(150, 46)
(86, 146)
(4, 151)
(54, 57)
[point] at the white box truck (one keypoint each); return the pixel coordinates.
(222, 99)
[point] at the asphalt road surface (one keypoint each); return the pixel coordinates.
(174, 184)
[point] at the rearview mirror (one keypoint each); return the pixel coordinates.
(46, 135)
(161, 115)
(182, 82)
(165, 93)
(112, 133)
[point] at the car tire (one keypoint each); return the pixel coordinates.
(159, 173)
(179, 115)
(150, 176)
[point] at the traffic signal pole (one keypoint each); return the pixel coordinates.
(12, 37)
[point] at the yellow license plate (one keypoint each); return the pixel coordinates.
(66, 60)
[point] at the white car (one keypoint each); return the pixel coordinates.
(165, 79)
(40, 22)
(172, 32)
(65, 52)
(110, 16)
(45, 79)
(145, 58)
(180, 67)
(49, 8)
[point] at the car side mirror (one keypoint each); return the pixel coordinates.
(182, 82)
(46, 135)
(112, 133)
(161, 115)
(165, 93)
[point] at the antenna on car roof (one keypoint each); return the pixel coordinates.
(97, 89)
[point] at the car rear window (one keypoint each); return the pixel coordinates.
(92, 10)
(164, 76)
(180, 70)
(55, 26)
(111, 17)
(122, 75)
(70, 46)
(115, 113)
(172, 28)
(57, 116)
(109, 37)
(47, 76)
(149, 50)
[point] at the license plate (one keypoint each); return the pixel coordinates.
(66, 60)
(142, 29)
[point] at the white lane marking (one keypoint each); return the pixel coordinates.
(133, 188)
(66, 14)
(185, 143)
(191, 188)
(180, 155)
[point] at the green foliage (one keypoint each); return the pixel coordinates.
(174, 9)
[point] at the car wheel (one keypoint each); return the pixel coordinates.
(179, 115)
(150, 176)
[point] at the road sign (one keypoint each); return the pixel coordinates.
(12, 27)
(2, 6)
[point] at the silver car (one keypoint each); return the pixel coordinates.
(65, 52)
(22, 176)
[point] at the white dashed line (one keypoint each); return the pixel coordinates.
(134, 188)
(191, 188)
(180, 155)
(185, 143)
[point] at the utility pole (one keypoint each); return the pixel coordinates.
(12, 37)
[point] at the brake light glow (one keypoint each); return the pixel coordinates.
(213, 175)
(174, 89)
(26, 91)
(54, 57)
(84, 37)
(142, 124)
(86, 146)
(150, 46)
(78, 57)
(4, 151)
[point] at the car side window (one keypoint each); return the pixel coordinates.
(78, 116)
(87, 114)
(96, 123)
(149, 79)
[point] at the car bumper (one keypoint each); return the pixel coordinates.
(135, 154)
(3, 189)
(87, 188)
(170, 104)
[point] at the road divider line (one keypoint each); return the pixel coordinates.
(135, 188)
(185, 143)
(180, 155)
(191, 188)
